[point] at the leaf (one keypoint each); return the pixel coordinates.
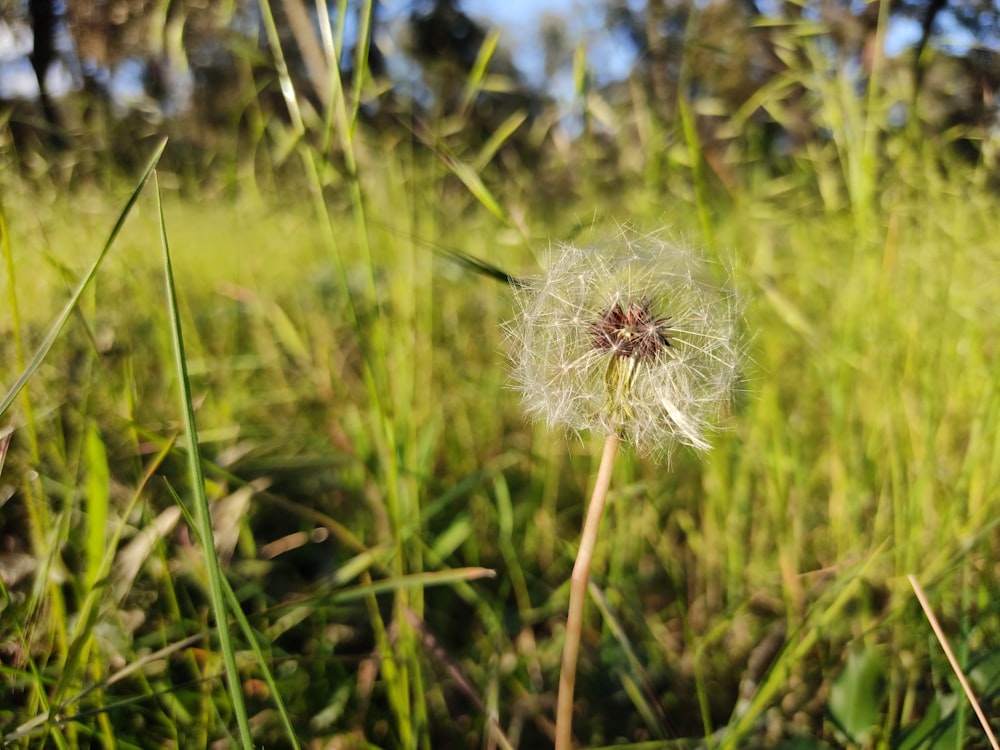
(857, 695)
(97, 498)
(936, 729)
(202, 513)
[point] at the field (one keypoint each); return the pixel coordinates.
(394, 539)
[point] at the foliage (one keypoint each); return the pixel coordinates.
(365, 463)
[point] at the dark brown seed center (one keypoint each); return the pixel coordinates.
(631, 330)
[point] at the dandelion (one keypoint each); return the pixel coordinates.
(636, 342)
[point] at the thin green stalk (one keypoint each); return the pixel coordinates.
(202, 514)
(690, 130)
(251, 638)
(406, 693)
(37, 681)
(281, 68)
(578, 594)
(873, 128)
(39, 522)
(361, 51)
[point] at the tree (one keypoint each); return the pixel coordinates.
(43, 27)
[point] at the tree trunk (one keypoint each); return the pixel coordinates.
(43, 53)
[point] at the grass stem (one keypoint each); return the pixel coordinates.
(578, 594)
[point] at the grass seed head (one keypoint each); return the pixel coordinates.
(635, 338)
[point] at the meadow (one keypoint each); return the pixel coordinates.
(297, 368)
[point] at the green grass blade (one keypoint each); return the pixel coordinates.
(635, 680)
(96, 496)
(74, 299)
(251, 637)
(98, 491)
(202, 515)
(15, 320)
(498, 138)
(281, 69)
(411, 581)
(475, 80)
(473, 182)
(34, 679)
(37, 724)
(361, 51)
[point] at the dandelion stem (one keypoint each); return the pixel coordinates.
(578, 594)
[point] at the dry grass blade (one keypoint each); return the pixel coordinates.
(939, 634)
(7, 434)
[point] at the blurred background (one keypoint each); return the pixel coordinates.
(333, 174)
(98, 79)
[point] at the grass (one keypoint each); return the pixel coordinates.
(363, 462)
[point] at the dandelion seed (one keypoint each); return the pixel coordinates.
(635, 340)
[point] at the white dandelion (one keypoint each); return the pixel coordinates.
(635, 341)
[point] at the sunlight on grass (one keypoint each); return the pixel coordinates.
(362, 455)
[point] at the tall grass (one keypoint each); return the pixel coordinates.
(363, 463)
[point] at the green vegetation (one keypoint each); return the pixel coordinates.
(365, 465)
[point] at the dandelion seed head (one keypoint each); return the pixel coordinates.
(636, 339)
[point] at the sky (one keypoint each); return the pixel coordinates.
(521, 23)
